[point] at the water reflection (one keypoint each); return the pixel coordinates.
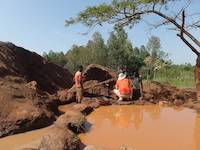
(197, 133)
(144, 127)
(125, 116)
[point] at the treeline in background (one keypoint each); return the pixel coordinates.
(150, 60)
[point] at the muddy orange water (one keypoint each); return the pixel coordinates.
(29, 139)
(144, 128)
(138, 127)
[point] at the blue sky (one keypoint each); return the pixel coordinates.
(38, 25)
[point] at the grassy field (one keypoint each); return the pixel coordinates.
(179, 76)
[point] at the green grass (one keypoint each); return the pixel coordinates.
(180, 83)
(179, 76)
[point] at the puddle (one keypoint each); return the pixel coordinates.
(137, 127)
(29, 139)
(143, 128)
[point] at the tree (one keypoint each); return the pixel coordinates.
(143, 52)
(154, 47)
(120, 50)
(78, 55)
(115, 49)
(157, 58)
(149, 62)
(98, 49)
(136, 51)
(94, 52)
(112, 46)
(56, 57)
(140, 54)
(130, 12)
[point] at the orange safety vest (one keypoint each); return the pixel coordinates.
(123, 86)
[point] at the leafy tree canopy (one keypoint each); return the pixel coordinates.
(119, 12)
(129, 12)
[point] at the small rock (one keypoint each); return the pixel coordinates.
(59, 139)
(73, 120)
(32, 85)
(83, 108)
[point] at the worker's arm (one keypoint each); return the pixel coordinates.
(116, 85)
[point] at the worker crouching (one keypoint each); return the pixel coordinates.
(123, 87)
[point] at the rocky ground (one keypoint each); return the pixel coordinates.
(31, 89)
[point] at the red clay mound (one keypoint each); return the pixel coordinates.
(155, 92)
(99, 73)
(16, 61)
(98, 81)
(26, 82)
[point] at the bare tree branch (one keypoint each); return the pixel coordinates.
(183, 23)
(194, 25)
(170, 20)
(189, 45)
(177, 25)
(183, 9)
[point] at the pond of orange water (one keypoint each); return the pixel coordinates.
(143, 128)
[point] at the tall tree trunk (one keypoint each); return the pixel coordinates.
(197, 77)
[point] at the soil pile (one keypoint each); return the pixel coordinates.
(98, 82)
(155, 92)
(17, 61)
(98, 72)
(26, 82)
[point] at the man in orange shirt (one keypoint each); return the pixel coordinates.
(78, 84)
(123, 87)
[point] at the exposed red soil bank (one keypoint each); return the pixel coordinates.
(26, 80)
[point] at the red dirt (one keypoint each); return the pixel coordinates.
(26, 82)
(17, 61)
